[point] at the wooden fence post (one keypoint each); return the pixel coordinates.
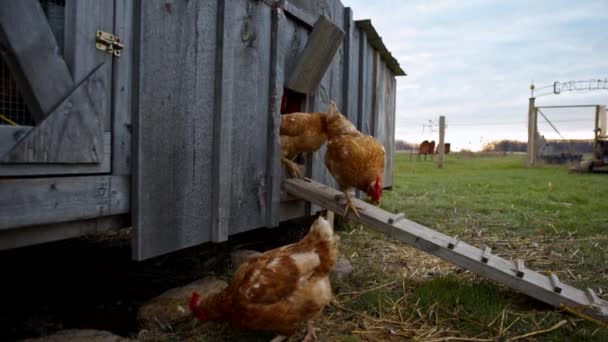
(532, 120)
(441, 146)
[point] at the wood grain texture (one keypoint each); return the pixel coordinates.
(316, 58)
(307, 18)
(254, 102)
(222, 124)
(71, 134)
(39, 69)
(9, 135)
(34, 201)
(464, 255)
(350, 78)
(174, 90)
(121, 90)
(20, 170)
(273, 208)
(330, 89)
(82, 20)
(27, 236)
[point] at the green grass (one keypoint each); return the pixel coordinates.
(499, 194)
(500, 199)
(554, 220)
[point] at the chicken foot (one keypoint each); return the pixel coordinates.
(279, 338)
(292, 167)
(311, 333)
(350, 205)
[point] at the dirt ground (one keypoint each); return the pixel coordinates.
(92, 283)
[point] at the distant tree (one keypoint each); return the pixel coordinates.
(403, 145)
(505, 146)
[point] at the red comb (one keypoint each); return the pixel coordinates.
(194, 301)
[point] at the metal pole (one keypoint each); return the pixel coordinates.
(441, 146)
(531, 133)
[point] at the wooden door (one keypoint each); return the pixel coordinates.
(59, 86)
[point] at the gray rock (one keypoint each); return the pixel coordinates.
(172, 306)
(342, 269)
(84, 335)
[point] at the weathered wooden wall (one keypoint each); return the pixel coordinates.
(199, 87)
(213, 172)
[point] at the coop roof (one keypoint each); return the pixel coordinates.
(376, 41)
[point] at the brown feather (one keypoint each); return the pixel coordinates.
(354, 159)
(280, 288)
(302, 132)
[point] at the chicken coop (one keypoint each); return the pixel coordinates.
(165, 115)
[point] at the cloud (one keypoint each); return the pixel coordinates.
(473, 61)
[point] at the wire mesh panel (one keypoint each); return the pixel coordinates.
(13, 109)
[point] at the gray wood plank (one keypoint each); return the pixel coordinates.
(314, 8)
(27, 236)
(350, 79)
(9, 135)
(173, 124)
(19, 170)
(317, 56)
(464, 255)
(34, 201)
(365, 85)
(121, 90)
(222, 137)
(278, 55)
(304, 16)
(71, 134)
(82, 20)
(37, 64)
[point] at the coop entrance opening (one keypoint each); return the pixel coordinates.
(292, 101)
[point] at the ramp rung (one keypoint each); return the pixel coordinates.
(520, 268)
(396, 218)
(555, 283)
(453, 243)
(487, 253)
(512, 274)
(593, 298)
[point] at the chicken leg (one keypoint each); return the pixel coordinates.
(311, 333)
(349, 205)
(279, 338)
(292, 167)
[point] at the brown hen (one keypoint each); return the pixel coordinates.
(279, 289)
(300, 133)
(354, 159)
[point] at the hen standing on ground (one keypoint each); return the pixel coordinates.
(278, 289)
(354, 159)
(300, 133)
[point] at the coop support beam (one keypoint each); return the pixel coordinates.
(277, 74)
(27, 236)
(36, 201)
(441, 146)
(464, 255)
(39, 69)
(532, 131)
(317, 56)
(222, 138)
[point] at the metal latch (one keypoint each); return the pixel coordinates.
(109, 43)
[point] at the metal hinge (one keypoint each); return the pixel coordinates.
(109, 43)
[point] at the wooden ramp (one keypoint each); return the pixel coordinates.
(512, 274)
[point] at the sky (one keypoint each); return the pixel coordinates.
(473, 61)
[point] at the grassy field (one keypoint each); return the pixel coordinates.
(555, 221)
